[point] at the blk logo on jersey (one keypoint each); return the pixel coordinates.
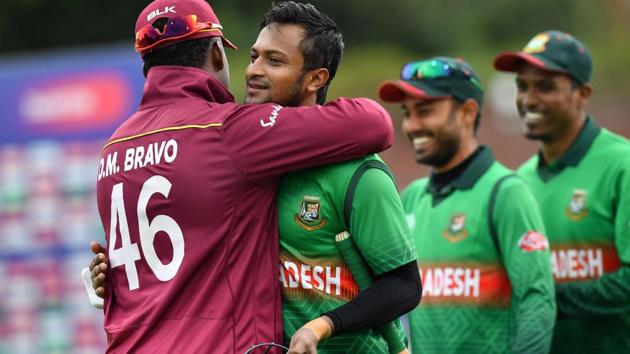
(456, 230)
(577, 210)
(309, 218)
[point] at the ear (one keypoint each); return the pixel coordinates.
(315, 79)
(584, 93)
(469, 110)
(216, 56)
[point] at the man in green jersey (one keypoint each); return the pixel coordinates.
(320, 297)
(315, 204)
(581, 178)
(487, 283)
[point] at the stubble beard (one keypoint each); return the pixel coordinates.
(293, 98)
(446, 143)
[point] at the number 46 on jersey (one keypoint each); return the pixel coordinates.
(129, 253)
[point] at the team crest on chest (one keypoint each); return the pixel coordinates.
(456, 230)
(577, 209)
(310, 218)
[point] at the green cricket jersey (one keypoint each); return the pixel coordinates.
(484, 291)
(314, 205)
(585, 201)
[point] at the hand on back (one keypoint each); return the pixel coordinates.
(98, 269)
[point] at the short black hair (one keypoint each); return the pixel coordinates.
(322, 46)
(458, 103)
(192, 53)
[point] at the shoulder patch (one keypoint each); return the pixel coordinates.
(533, 241)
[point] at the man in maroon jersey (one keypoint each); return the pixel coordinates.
(186, 190)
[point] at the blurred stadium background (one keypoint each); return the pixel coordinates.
(68, 76)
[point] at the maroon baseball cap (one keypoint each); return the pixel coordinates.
(188, 19)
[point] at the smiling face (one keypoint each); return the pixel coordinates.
(433, 129)
(549, 104)
(275, 71)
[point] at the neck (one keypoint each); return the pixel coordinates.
(310, 100)
(468, 147)
(553, 149)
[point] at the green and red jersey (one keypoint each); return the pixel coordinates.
(487, 283)
(314, 205)
(585, 203)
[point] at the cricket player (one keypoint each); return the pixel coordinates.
(186, 190)
(581, 179)
(276, 73)
(487, 283)
(315, 204)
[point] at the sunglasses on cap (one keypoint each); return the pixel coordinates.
(436, 69)
(176, 27)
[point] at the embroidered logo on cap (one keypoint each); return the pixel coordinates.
(537, 44)
(155, 13)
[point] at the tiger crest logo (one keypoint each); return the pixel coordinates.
(456, 230)
(537, 44)
(309, 218)
(577, 209)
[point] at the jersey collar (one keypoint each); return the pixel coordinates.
(465, 178)
(168, 84)
(573, 155)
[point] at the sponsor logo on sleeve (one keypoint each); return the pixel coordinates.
(533, 241)
(456, 230)
(577, 210)
(271, 120)
(309, 217)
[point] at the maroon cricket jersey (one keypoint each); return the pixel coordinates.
(186, 194)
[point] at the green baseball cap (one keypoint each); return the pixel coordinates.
(553, 51)
(434, 78)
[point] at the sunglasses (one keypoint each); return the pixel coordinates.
(436, 69)
(176, 27)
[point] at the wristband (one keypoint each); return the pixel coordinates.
(320, 327)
